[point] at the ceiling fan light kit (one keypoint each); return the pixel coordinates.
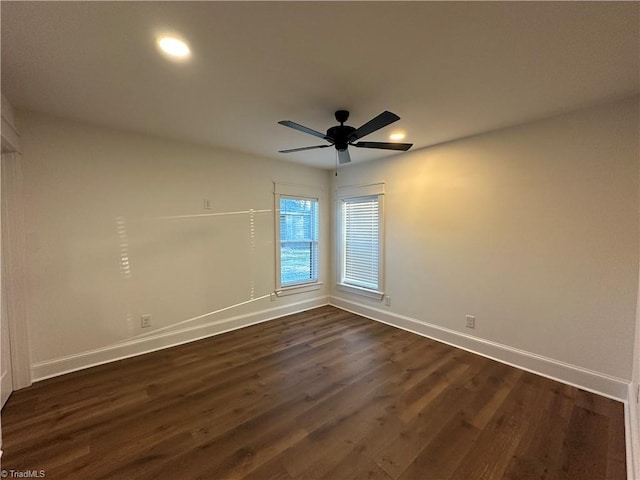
(342, 136)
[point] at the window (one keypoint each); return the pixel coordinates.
(297, 224)
(361, 240)
(298, 241)
(361, 245)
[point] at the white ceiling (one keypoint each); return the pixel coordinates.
(449, 69)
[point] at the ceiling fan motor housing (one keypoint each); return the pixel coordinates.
(340, 135)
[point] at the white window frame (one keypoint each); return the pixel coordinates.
(359, 191)
(301, 192)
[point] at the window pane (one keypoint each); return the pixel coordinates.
(361, 237)
(298, 241)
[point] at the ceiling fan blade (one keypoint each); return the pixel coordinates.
(384, 145)
(343, 156)
(302, 148)
(302, 128)
(382, 120)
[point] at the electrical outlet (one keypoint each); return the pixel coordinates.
(387, 301)
(145, 321)
(206, 203)
(273, 296)
(470, 321)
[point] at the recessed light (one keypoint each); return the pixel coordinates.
(397, 136)
(174, 47)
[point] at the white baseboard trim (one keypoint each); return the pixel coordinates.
(151, 343)
(5, 387)
(596, 382)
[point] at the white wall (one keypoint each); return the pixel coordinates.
(533, 229)
(102, 252)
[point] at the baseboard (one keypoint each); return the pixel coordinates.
(151, 343)
(5, 387)
(596, 382)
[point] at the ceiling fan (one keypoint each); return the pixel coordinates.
(341, 136)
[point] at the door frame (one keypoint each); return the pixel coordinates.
(13, 251)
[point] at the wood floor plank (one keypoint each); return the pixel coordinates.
(272, 470)
(443, 455)
(586, 446)
(538, 454)
(490, 456)
(355, 465)
(401, 450)
(333, 441)
(616, 466)
(318, 394)
(438, 459)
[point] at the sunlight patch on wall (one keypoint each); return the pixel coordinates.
(187, 264)
(192, 319)
(125, 266)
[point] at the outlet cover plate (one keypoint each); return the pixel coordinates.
(145, 321)
(470, 321)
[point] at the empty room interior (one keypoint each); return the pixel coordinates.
(320, 240)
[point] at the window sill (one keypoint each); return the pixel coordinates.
(307, 287)
(364, 292)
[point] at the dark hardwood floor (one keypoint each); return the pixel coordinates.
(321, 394)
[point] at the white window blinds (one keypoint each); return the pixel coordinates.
(361, 241)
